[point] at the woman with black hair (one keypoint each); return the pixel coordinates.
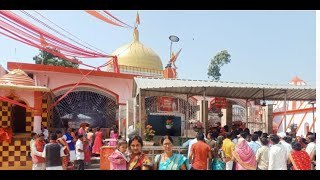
(169, 160)
(138, 160)
(299, 159)
(97, 144)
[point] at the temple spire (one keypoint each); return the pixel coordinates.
(135, 34)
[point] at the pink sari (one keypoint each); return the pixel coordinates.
(245, 158)
(97, 143)
(113, 136)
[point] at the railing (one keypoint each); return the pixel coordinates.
(137, 70)
(152, 151)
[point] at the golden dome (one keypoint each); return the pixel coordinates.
(137, 55)
(17, 77)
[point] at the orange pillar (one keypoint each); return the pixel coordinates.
(38, 112)
(105, 152)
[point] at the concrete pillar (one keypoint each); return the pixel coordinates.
(199, 111)
(38, 112)
(135, 114)
(127, 119)
(143, 116)
(223, 119)
(204, 114)
(122, 115)
(268, 118)
(226, 119)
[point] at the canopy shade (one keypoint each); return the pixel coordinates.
(165, 87)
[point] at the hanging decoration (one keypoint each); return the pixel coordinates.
(101, 17)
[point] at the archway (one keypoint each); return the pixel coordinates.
(85, 104)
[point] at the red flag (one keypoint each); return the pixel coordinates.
(138, 18)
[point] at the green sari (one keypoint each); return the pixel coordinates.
(172, 163)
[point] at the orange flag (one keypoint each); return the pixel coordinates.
(138, 19)
(174, 57)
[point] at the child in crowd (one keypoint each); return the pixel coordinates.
(119, 159)
(113, 135)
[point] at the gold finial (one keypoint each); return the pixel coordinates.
(135, 34)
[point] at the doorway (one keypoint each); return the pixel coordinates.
(18, 114)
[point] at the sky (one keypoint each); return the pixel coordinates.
(265, 46)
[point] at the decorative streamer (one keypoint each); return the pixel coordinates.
(101, 17)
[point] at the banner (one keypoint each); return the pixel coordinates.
(220, 102)
(167, 104)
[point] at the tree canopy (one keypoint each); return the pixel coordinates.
(47, 58)
(216, 63)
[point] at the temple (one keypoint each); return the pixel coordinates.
(104, 98)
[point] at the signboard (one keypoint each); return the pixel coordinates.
(220, 102)
(167, 104)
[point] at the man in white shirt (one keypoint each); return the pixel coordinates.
(33, 139)
(45, 132)
(80, 152)
(277, 155)
(38, 162)
(262, 155)
(288, 146)
(311, 145)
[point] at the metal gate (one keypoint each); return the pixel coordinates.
(83, 105)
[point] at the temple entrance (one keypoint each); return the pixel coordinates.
(85, 105)
(18, 118)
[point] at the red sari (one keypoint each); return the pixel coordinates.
(86, 149)
(300, 160)
(66, 150)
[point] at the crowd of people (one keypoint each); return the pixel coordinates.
(241, 150)
(64, 151)
(224, 150)
(221, 149)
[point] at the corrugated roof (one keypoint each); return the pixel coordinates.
(163, 87)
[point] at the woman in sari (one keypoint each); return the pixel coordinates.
(299, 159)
(138, 160)
(219, 158)
(97, 142)
(244, 155)
(169, 160)
(83, 131)
(66, 150)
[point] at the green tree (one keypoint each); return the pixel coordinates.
(216, 63)
(47, 58)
